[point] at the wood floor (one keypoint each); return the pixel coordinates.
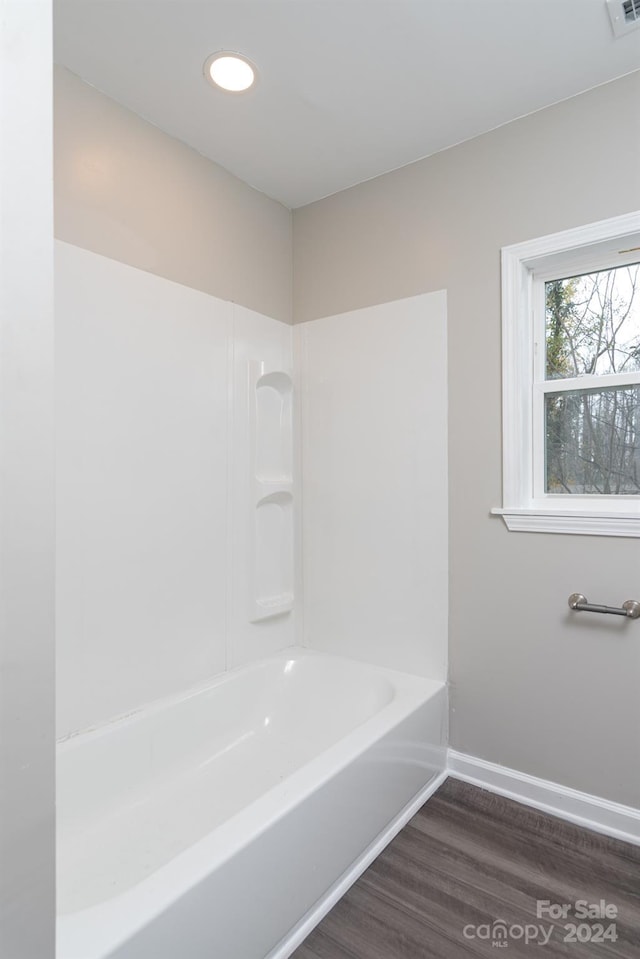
(469, 859)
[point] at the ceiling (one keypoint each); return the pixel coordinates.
(348, 89)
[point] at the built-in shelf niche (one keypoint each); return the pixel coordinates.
(273, 427)
(271, 464)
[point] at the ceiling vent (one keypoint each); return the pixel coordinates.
(625, 15)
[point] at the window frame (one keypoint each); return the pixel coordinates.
(525, 267)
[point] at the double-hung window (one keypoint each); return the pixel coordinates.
(571, 381)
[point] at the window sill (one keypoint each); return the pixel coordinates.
(570, 521)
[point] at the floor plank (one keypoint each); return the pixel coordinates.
(470, 858)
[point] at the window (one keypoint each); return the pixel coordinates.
(571, 381)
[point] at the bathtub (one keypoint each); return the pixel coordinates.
(224, 823)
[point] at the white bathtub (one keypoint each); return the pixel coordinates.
(221, 825)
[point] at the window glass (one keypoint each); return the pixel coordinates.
(592, 441)
(593, 323)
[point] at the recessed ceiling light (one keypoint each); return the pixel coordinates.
(230, 71)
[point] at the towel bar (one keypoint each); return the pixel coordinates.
(630, 609)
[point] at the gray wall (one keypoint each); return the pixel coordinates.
(26, 485)
(125, 189)
(533, 687)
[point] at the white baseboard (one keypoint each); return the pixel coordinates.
(300, 931)
(591, 812)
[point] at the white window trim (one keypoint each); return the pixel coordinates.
(521, 510)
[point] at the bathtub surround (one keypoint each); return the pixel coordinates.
(374, 483)
(27, 823)
(154, 548)
(176, 493)
(533, 688)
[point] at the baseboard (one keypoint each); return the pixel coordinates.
(591, 812)
(302, 929)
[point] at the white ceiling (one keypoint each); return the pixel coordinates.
(348, 89)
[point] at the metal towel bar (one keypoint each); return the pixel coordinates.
(630, 609)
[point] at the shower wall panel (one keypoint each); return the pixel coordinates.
(152, 488)
(374, 480)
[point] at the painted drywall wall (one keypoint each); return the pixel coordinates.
(533, 687)
(374, 483)
(152, 552)
(27, 852)
(125, 189)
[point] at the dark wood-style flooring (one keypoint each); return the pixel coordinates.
(470, 858)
